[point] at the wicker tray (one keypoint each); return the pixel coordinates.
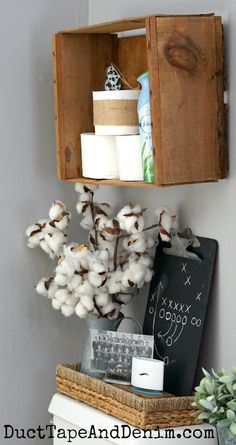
(141, 411)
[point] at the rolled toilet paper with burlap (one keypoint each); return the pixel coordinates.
(115, 112)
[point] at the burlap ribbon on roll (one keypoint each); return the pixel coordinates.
(115, 112)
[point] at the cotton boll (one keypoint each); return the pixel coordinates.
(130, 218)
(81, 311)
(43, 285)
(134, 275)
(87, 222)
(100, 222)
(137, 243)
(114, 282)
(86, 288)
(35, 235)
(85, 197)
(50, 228)
(145, 261)
(63, 222)
(59, 269)
(138, 225)
(125, 243)
(67, 310)
(104, 256)
(52, 289)
(56, 304)
(112, 229)
(138, 273)
(166, 218)
(31, 229)
(61, 279)
(80, 207)
(55, 241)
(108, 246)
(74, 283)
(104, 209)
(66, 267)
(45, 247)
(79, 188)
(111, 310)
(87, 302)
(84, 188)
(127, 279)
(121, 216)
(148, 275)
(97, 266)
(102, 299)
(56, 209)
(72, 300)
(62, 295)
(83, 207)
(129, 224)
(95, 279)
(77, 251)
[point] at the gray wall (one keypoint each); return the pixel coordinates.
(33, 337)
(209, 209)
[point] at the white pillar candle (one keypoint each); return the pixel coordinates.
(147, 373)
(99, 159)
(129, 157)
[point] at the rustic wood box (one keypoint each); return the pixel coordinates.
(184, 56)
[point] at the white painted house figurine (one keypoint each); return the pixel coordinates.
(100, 277)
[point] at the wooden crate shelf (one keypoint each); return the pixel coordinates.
(184, 57)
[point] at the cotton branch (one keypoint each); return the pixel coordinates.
(100, 277)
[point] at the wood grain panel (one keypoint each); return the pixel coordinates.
(114, 182)
(80, 62)
(128, 24)
(221, 129)
(132, 58)
(155, 99)
(188, 99)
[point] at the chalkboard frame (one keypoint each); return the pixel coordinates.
(176, 312)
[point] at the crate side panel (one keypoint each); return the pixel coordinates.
(57, 103)
(221, 129)
(81, 62)
(188, 98)
(155, 99)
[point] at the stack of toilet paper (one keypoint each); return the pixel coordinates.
(114, 150)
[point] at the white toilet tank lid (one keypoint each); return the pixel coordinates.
(81, 415)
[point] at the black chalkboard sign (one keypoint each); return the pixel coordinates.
(176, 311)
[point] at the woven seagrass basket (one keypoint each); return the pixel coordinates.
(140, 410)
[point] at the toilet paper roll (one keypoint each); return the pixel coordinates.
(115, 112)
(147, 373)
(129, 157)
(99, 158)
